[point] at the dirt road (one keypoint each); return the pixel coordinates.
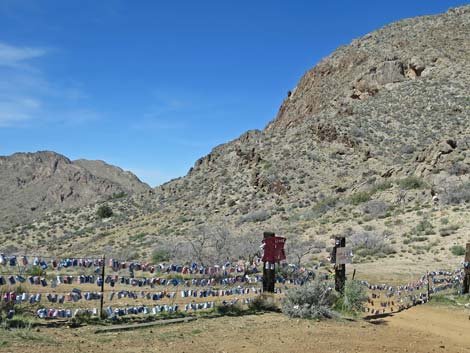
(421, 329)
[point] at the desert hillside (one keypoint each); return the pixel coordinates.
(373, 143)
(34, 183)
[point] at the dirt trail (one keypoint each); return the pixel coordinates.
(421, 329)
(448, 325)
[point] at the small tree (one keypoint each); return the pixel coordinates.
(104, 211)
(297, 249)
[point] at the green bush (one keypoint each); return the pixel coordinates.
(354, 297)
(160, 255)
(312, 301)
(424, 226)
(381, 186)
(104, 211)
(457, 250)
(411, 182)
(359, 197)
(36, 271)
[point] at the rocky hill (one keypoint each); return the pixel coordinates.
(33, 183)
(374, 143)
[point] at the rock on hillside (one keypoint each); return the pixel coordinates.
(34, 183)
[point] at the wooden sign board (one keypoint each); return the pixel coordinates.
(344, 256)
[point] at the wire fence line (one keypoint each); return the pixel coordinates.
(231, 280)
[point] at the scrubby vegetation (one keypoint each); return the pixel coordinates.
(312, 301)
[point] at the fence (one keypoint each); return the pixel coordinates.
(168, 288)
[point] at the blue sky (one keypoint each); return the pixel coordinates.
(151, 86)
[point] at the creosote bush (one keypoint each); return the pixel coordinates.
(411, 183)
(457, 250)
(104, 211)
(263, 302)
(354, 297)
(369, 243)
(312, 301)
(161, 255)
(359, 197)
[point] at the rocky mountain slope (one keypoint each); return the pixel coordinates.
(373, 143)
(33, 183)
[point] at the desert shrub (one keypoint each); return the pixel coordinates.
(312, 301)
(449, 230)
(457, 194)
(118, 195)
(359, 197)
(382, 186)
(445, 220)
(263, 302)
(354, 297)
(36, 271)
(161, 255)
(457, 250)
(138, 237)
(255, 216)
(424, 226)
(229, 310)
(104, 211)
(375, 208)
(5, 307)
(412, 182)
(323, 207)
(19, 321)
(369, 243)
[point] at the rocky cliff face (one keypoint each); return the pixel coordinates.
(33, 183)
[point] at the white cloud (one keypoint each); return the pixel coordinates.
(17, 110)
(28, 96)
(12, 56)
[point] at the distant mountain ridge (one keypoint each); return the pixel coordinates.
(34, 183)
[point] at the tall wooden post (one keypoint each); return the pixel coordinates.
(269, 273)
(429, 285)
(466, 279)
(103, 265)
(340, 269)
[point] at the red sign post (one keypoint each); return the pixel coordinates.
(274, 249)
(273, 253)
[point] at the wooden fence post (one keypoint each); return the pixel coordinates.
(340, 269)
(429, 285)
(103, 265)
(466, 279)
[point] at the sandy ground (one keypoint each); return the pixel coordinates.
(426, 328)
